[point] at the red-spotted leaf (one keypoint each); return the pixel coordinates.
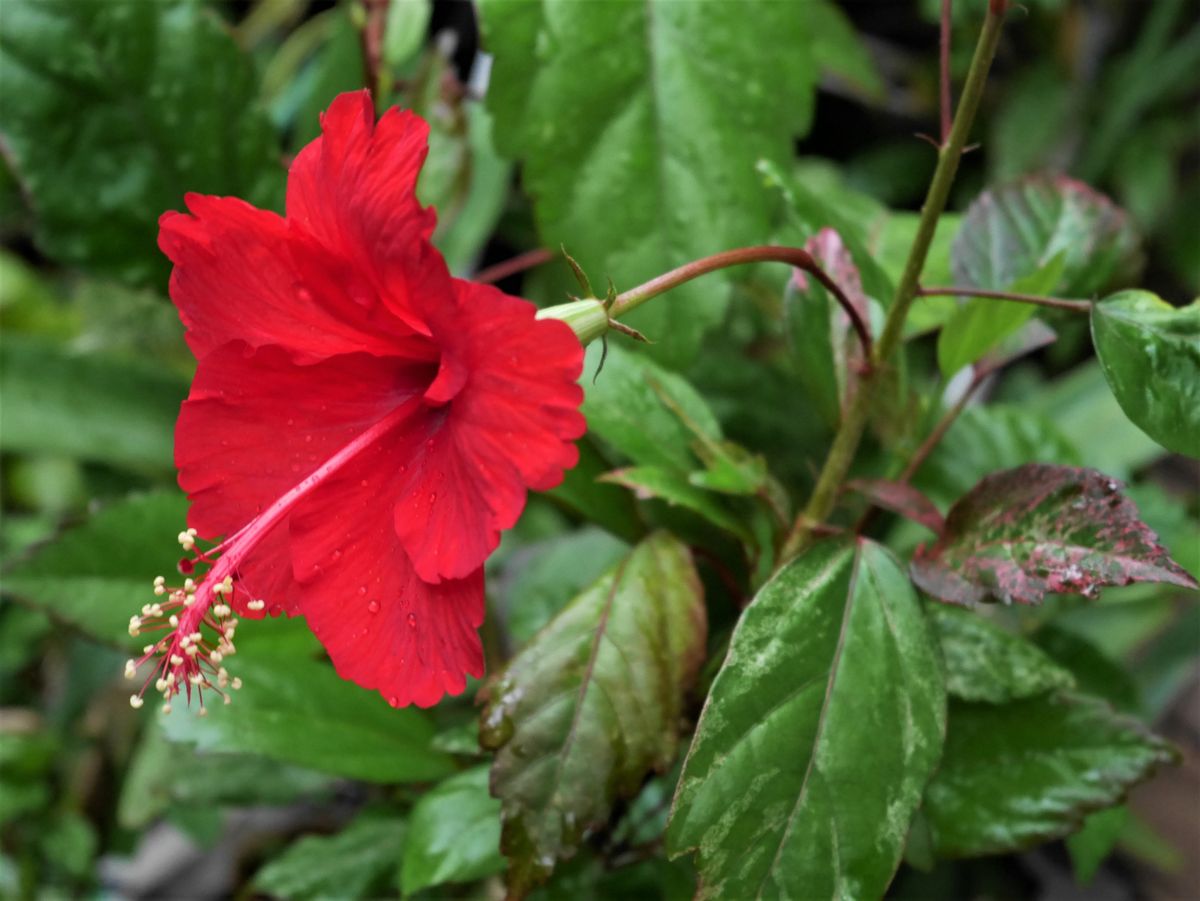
(902, 499)
(1024, 532)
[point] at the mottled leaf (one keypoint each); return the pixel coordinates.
(593, 704)
(354, 863)
(1024, 532)
(674, 105)
(790, 789)
(1095, 672)
(1150, 352)
(89, 406)
(297, 710)
(1013, 231)
(986, 662)
(900, 498)
(1014, 775)
(113, 110)
(453, 834)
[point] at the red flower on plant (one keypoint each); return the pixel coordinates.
(361, 425)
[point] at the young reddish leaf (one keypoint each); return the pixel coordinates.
(1024, 532)
(902, 499)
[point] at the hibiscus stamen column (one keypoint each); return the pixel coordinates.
(198, 615)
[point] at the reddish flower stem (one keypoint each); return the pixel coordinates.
(1057, 303)
(946, 102)
(531, 259)
(767, 253)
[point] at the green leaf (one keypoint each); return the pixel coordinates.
(1023, 532)
(338, 67)
(648, 482)
(628, 100)
(453, 834)
(981, 323)
(985, 439)
(293, 709)
(1095, 672)
(98, 574)
(354, 863)
(1013, 231)
(1081, 404)
(92, 407)
(840, 51)
(593, 704)
(1014, 775)
(986, 662)
(650, 415)
(113, 110)
(605, 505)
(1150, 353)
(788, 790)
(1091, 845)
(404, 34)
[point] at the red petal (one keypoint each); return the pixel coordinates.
(354, 190)
(256, 423)
(383, 627)
(510, 415)
(242, 274)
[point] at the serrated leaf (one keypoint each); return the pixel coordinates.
(92, 407)
(593, 704)
(986, 662)
(353, 863)
(294, 709)
(1150, 353)
(1012, 231)
(453, 834)
(1014, 775)
(99, 573)
(673, 107)
(640, 409)
(113, 110)
(788, 790)
(1024, 532)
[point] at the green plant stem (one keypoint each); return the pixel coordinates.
(767, 253)
(849, 435)
(1057, 303)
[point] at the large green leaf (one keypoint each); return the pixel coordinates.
(1014, 775)
(453, 835)
(92, 407)
(818, 735)
(98, 574)
(666, 106)
(354, 863)
(986, 662)
(297, 710)
(1150, 352)
(113, 110)
(1021, 533)
(593, 704)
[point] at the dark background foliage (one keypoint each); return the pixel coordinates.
(308, 787)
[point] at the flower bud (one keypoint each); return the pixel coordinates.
(587, 318)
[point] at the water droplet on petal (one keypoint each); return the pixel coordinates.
(412, 620)
(394, 701)
(373, 607)
(307, 439)
(362, 589)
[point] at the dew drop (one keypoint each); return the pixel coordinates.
(337, 554)
(363, 483)
(412, 620)
(373, 607)
(291, 422)
(394, 701)
(307, 439)
(362, 589)
(432, 496)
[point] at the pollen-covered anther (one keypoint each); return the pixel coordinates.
(160, 585)
(130, 669)
(187, 539)
(135, 701)
(256, 605)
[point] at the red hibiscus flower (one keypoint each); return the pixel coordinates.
(361, 426)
